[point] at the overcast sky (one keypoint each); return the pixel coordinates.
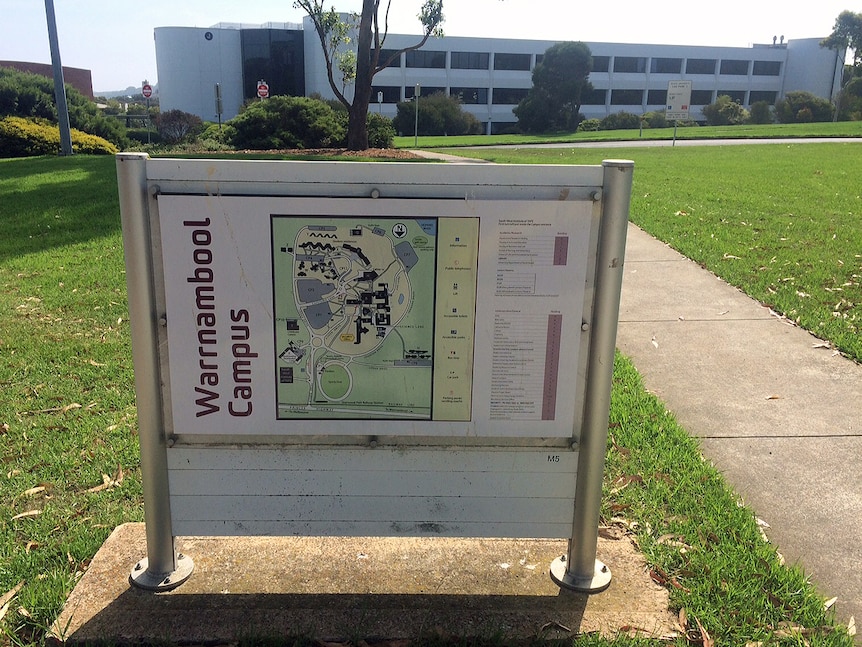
(115, 39)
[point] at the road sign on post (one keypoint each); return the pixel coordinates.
(678, 100)
(147, 91)
(262, 89)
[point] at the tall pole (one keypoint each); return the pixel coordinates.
(416, 122)
(59, 85)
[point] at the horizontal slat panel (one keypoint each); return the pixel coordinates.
(508, 529)
(383, 492)
(308, 482)
(375, 460)
(393, 509)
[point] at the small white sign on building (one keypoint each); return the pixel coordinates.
(678, 100)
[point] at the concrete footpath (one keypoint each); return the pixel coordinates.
(776, 410)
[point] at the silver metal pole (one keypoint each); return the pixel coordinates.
(579, 570)
(163, 569)
(59, 83)
(416, 94)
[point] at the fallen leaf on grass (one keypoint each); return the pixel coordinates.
(554, 625)
(707, 640)
(623, 482)
(108, 482)
(663, 579)
(7, 597)
(674, 541)
(4, 428)
(29, 513)
(33, 490)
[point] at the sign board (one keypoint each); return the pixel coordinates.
(262, 89)
(147, 90)
(301, 316)
(678, 100)
(373, 349)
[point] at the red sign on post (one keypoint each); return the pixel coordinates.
(147, 90)
(262, 89)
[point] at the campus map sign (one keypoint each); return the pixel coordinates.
(432, 318)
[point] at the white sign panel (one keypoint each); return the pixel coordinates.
(292, 316)
(678, 100)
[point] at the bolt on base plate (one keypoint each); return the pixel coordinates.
(595, 583)
(143, 579)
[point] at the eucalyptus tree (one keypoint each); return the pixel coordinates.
(352, 50)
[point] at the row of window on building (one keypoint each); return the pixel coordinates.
(431, 59)
(595, 97)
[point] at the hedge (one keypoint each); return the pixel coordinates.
(20, 137)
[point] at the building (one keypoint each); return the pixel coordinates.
(490, 75)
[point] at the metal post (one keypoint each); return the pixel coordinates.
(579, 570)
(163, 569)
(59, 83)
(416, 94)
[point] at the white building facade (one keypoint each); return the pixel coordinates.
(489, 75)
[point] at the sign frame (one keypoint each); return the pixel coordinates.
(577, 460)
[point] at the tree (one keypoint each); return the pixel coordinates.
(847, 34)
(175, 126)
(559, 81)
(803, 107)
(358, 66)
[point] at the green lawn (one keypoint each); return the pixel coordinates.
(68, 445)
(838, 129)
(781, 222)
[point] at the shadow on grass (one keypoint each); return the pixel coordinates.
(52, 202)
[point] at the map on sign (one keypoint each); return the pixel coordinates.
(355, 311)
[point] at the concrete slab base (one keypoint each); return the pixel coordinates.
(352, 589)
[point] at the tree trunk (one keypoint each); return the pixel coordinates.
(357, 130)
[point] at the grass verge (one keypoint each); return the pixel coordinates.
(69, 453)
(780, 222)
(772, 131)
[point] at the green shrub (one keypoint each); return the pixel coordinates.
(589, 125)
(24, 94)
(175, 126)
(850, 101)
(286, 122)
(620, 121)
(725, 112)
(655, 119)
(802, 107)
(761, 113)
(20, 137)
(439, 114)
(381, 132)
(142, 136)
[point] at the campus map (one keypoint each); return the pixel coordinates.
(361, 329)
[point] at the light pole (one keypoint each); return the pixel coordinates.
(416, 94)
(59, 83)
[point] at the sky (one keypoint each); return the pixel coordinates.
(115, 39)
